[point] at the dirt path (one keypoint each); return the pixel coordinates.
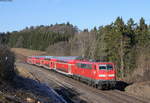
(76, 92)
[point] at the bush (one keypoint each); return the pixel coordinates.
(7, 59)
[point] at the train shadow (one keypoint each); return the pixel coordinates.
(43, 93)
(121, 85)
(27, 87)
(70, 95)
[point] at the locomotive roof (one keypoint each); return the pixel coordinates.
(91, 62)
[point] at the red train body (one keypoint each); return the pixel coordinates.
(98, 74)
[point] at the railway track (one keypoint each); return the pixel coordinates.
(85, 93)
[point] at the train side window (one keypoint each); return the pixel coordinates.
(78, 65)
(83, 65)
(86, 66)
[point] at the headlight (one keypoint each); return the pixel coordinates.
(111, 75)
(102, 75)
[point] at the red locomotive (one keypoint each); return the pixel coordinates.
(98, 74)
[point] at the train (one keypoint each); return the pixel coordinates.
(101, 75)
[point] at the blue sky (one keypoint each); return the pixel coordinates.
(19, 14)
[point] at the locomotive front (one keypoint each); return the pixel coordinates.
(106, 77)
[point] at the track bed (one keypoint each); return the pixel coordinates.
(76, 92)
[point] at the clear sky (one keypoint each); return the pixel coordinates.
(19, 14)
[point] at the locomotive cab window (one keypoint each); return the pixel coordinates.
(102, 67)
(83, 65)
(106, 67)
(109, 67)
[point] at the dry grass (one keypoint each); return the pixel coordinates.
(22, 53)
(27, 52)
(24, 72)
(140, 89)
(21, 89)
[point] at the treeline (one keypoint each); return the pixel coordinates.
(125, 44)
(40, 37)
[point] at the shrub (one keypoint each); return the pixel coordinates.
(7, 60)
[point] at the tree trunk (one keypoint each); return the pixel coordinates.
(121, 57)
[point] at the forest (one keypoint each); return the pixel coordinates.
(127, 44)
